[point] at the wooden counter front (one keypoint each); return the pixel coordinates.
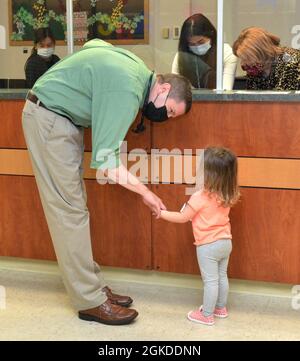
(265, 224)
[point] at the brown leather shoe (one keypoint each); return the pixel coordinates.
(119, 300)
(109, 314)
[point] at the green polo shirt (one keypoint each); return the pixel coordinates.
(100, 86)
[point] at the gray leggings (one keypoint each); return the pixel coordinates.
(213, 261)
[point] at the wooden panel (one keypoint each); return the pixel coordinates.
(120, 234)
(121, 226)
(272, 173)
(249, 129)
(265, 228)
(254, 172)
(11, 135)
(23, 228)
(17, 162)
(173, 249)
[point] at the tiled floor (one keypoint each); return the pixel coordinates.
(38, 308)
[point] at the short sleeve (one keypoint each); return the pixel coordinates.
(196, 201)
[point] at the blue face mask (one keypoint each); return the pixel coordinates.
(200, 49)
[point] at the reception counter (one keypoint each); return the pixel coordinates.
(263, 129)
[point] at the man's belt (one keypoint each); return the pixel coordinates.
(34, 99)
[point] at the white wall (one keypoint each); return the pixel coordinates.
(168, 14)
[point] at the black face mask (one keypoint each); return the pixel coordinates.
(150, 111)
(156, 114)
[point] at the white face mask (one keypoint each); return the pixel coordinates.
(200, 49)
(45, 52)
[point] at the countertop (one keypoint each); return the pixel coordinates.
(200, 95)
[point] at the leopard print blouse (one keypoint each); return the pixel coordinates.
(284, 75)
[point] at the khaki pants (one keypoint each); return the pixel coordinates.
(56, 150)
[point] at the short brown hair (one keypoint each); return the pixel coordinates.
(256, 45)
(220, 175)
(181, 88)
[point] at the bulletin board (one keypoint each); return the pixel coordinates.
(116, 21)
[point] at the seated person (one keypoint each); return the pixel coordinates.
(42, 56)
(196, 58)
(269, 66)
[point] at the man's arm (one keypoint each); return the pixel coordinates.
(121, 176)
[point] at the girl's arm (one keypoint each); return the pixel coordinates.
(179, 217)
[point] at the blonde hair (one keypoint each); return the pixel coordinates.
(257, 45)
(220, 175)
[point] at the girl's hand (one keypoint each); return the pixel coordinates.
(154, 203)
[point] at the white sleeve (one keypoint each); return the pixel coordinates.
(175, 69)
(230, 64)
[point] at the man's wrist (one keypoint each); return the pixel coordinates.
(142, 189)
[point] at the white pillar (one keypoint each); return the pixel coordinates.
(2, 37)
(220, 46)
(70, 35)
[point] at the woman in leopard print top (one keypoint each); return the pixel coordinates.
(268, 65)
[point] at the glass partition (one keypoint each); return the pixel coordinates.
(278, 17)
(196, 49)
(158, 36)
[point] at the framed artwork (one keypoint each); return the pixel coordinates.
(115, 21)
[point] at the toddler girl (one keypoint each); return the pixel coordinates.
(208, 209)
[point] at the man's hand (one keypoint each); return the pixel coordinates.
(153, 202)
(127, 180)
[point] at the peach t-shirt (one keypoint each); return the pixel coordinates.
(211, 222)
